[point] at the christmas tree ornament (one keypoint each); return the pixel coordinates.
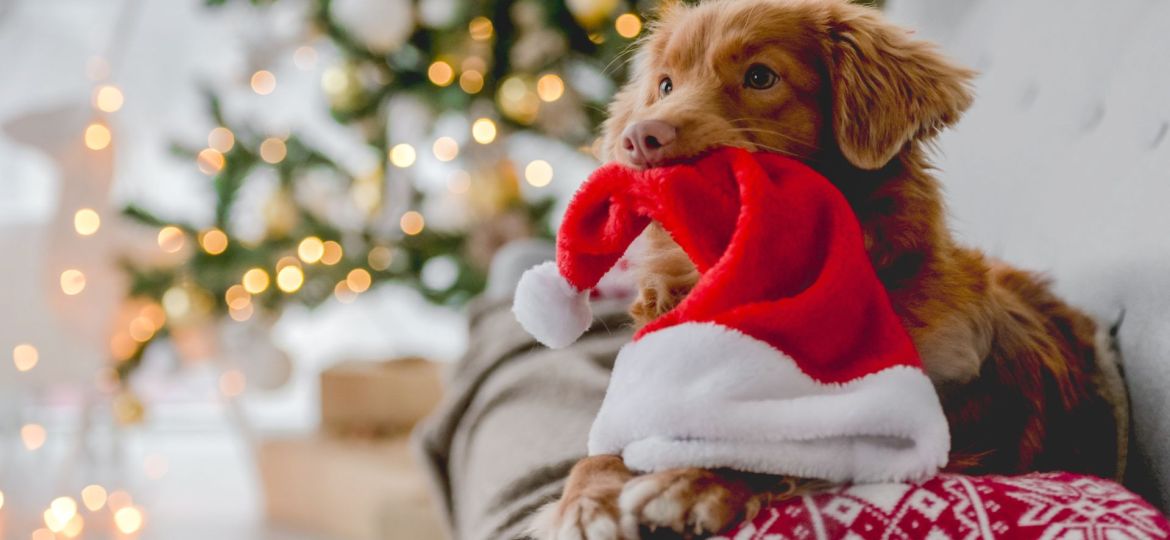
(591, 13)
(382, 26)
(342, 86)
(785, 358)
(281, 214)
(518, 100)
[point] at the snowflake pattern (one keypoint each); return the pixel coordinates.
(1046, 506)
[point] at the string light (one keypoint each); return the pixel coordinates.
(118, 500)
(334, 81)
(517, 100)
(63, 508)
(141, 330)
(342, 293)
(25, 357)
(51, 522)
(221, 139)
(108, 98)
(538, 173)
(210, 161)
(331, 253)
(122, 346)
(86, 221)
(441, 73)
(480, 28)
(72, 282)
(483, 130)
(74, 527)
(128, 519)
(255, 281)
(380, 257)
(550, 87)
(232, 383)
(273, 150)
(171, 239)
(237, 297)
(445, 149)
(471, 81)
(597, 38)
(358, 280)
(153, 313)
(93, 497)
(176, 301)
(305, 57)
(311, 249)
(290, 278)
(33, 436)
(412, 223)
(213, 241)
(263, 82)
(241, 314)
(97, 136)
(402, 155)
(628, 25)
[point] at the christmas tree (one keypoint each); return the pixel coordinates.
(499, 68)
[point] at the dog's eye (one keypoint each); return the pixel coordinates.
(759, 77)
(665, 86)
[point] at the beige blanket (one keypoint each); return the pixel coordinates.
(515, 419)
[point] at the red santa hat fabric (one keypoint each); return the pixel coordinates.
(785, 358)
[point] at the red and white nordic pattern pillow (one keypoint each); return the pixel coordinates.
(1057, 506)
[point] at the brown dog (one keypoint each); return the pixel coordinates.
(1023, 381)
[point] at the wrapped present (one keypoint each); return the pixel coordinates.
(357, 489)
(378, 398)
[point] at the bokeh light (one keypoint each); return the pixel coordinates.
(538, 173)
(402, 155)
(263, 82)
(86, 221)
(25, 357)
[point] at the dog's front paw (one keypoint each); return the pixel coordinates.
(592, 517)
(690, 502)
(588, 509)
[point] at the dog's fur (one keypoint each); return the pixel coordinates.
(859, 99)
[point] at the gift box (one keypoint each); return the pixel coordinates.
(378, 398)
(357, 489)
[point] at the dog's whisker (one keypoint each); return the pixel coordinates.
(778, 134)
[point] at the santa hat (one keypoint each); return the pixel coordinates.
(785, 358)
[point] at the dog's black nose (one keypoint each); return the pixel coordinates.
(646, 142)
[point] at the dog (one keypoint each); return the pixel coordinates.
(1026, 381)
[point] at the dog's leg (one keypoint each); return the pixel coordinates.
(698, 502)
(666, 275)
(588, 509)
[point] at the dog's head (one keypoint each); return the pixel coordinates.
(806, 78)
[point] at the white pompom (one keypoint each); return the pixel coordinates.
(550, 308)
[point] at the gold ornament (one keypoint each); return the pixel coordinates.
(342, 84)
(280, 214)
(591, 13)
(492, 190)
(518, 99)
(128, 409)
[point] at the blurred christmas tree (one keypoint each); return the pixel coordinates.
(502, 66)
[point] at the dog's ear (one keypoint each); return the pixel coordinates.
(887, 88)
